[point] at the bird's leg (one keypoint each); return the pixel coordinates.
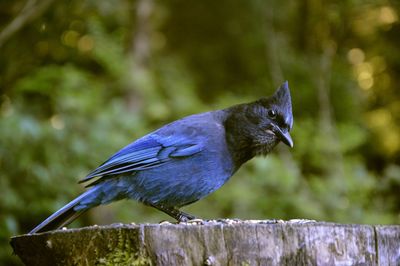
(175, 213)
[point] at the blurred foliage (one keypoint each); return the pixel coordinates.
(84, 78)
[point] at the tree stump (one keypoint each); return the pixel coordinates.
(221, 242)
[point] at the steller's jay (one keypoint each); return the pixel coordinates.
(185, 160)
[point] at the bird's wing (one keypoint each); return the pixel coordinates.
(147, 152)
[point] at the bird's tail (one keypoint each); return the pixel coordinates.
(63, 216)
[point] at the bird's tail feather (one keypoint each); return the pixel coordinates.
(62, 217)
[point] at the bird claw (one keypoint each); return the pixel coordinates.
(196, 221)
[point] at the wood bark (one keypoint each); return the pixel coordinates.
(223, 242)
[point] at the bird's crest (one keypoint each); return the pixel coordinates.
(283, 100)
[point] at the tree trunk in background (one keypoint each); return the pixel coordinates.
(277, 76)
(141, 52)
(320, 49)
(141, 46)
(226, 242)
(326, 117)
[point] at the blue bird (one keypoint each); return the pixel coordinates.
(185, 160)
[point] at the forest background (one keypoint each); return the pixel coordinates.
(81, 79)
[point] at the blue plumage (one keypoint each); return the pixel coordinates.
(155, 169)
(185, 160)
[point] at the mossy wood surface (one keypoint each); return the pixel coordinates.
(226, 242)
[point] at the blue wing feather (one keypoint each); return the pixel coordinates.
(147, 152)
(186, 151)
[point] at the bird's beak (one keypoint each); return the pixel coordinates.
(284, 137)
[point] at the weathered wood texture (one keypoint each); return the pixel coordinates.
(225, 242)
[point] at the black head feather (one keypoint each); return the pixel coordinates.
(256, 128)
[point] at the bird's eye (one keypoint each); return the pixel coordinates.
(272, 114)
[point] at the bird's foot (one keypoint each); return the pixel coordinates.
(180, 216)
(185, 217)
(196, 221)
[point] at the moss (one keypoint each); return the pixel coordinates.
(120, 258)
(123, 253)
(245, 263)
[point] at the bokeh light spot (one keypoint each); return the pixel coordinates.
(379, 118)
(391, 142)
(364, 67)
(57, 122)
(355, 56)
(382, 123)
(70, 38)
(85, 43)
(387, 15)
(365, 80)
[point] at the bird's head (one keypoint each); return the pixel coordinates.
(259, 126)
(276, 115)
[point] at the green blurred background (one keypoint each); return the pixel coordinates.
(81, 79)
